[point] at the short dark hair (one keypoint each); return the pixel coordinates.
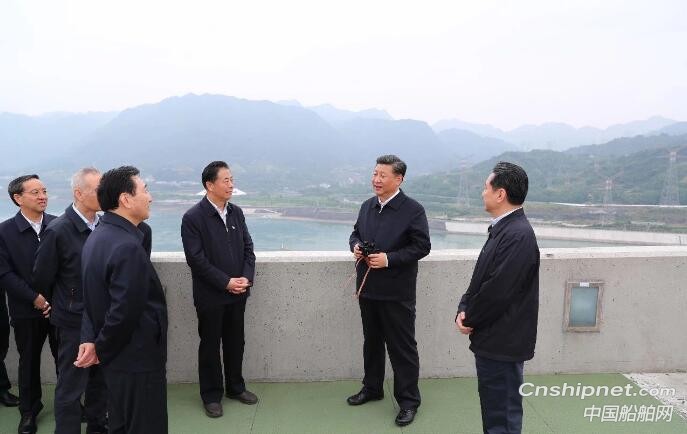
(211, 170)
(16, 186)
(397, 165)
(115, 182)
(511, 178)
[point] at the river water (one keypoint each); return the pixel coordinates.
(271, 233)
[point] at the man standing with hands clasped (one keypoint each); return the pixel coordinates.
(219, 250)
(499, 309)
(398, 228)
(29, 307)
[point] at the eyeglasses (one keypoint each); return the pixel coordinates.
(36, 191)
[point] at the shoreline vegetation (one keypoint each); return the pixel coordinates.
(476, 225)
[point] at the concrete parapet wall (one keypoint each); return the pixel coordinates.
(302, 322)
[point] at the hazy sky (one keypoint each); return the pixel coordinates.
(501, 62)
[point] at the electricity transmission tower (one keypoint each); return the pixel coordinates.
(463, 188)
(608, 193)
(607, 215)
(670, 194)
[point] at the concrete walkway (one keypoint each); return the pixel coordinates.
(448, 406)
(666, 381)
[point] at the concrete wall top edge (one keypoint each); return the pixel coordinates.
(459, 254)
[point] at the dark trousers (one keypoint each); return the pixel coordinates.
(4, 342)
(74, 382)
(499, 395)
(30, 335)
(391, 323)
(137, 402)
(221, 323)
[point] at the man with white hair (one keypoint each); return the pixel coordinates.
(57, 271)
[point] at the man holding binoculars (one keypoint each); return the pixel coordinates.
(389, 238)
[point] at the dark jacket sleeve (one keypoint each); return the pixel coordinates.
(419, 245)
(87, 331)
(46, 264)
(497, 292)
(147, 237)
(196, 258)
(128, 290)
(248, 253)
(463, 304)
(11, 281)
(355, 235)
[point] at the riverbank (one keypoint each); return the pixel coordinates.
(477, 226)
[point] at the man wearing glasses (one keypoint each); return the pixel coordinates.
(29, 308)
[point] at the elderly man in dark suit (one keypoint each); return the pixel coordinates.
(500, 307)
(397, 227)
(57, 270)
(125, 308)
(29, 307)
(219, 250)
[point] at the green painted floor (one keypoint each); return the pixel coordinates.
(448, 406)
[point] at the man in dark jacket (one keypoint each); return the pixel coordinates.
(29, 307)
(499, 309)
(57, 270)
(397, 227)
(125, 313)
(219, 250)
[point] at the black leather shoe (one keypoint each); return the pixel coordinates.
(27, 424)
(406, 416)
(246, 397)
(362, 397)
(213, 409)
(8, 400)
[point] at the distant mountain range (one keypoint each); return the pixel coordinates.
(30, 139)
(560, 136)
(284, 145)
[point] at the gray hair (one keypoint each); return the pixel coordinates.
(397, 165)
(79, 178)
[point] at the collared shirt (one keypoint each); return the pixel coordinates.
(222, 212)
(502, 216)
(381, 204)
(381, 207)
(35, 225)
(91, 225)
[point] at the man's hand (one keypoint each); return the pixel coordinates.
(357, 252)
(377, 260)
(459, 324)
(42, 304)
(238, 285)
(86, 356)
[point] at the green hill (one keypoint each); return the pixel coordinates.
(637, 178)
